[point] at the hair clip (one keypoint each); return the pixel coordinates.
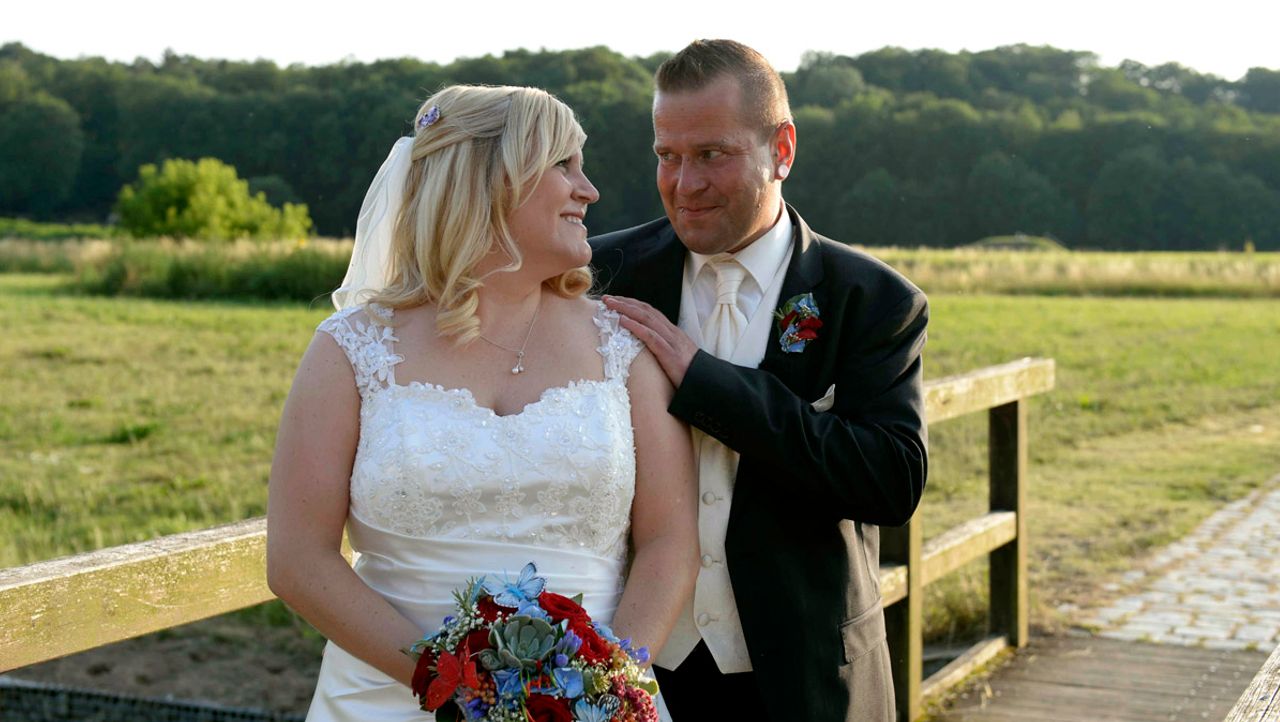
(429, 118)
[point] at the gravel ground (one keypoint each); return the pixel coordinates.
(224, 660)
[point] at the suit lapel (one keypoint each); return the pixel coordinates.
(667, 274)
(655, 272)
(804, 274)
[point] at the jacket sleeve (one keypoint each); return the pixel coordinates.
(866, 458)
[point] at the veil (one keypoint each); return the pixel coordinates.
(370, 264)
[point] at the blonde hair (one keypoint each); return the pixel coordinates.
(474, 165)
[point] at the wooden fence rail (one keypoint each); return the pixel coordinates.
(72, 604)
(1261, 701)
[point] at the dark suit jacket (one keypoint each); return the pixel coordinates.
(802, 544)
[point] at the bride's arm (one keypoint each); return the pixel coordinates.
(307, 509)
(664, 515)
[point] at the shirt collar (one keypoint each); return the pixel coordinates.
(763, 257)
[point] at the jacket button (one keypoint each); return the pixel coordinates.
(707, 561)
(704, 619)
(708, 498)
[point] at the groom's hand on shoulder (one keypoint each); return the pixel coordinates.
(672, 347)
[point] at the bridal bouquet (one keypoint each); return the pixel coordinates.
(514, 652)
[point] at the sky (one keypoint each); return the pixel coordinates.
(1225, 37)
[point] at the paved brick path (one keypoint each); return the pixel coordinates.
(1218, 588)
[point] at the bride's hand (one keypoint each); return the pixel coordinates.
(672, 347)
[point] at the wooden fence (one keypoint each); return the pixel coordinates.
(72, 604)
(908, 565)
(1261, 701)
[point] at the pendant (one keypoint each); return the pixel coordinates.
(519, 363)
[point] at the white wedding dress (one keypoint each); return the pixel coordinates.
(443, 490)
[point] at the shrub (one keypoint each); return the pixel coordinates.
(204, 199)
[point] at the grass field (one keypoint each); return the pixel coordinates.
(123, 419)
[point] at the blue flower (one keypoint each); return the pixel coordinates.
(476, 709)
(640, 655)
(569, 644)
(604, 631)
(508, 682)
(520, 592)
(568, 681)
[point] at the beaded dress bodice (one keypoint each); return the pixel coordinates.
(433, 464)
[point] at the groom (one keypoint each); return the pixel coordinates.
(797, 362)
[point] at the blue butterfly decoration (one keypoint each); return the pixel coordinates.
(520, 593)
(584, 711)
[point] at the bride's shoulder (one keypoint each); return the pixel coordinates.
(576, 311)
(588, 312)
(593, 312)
(358, 326)
(356, 316)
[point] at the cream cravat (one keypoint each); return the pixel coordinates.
(726, 322)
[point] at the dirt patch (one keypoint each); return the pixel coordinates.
(225, 661)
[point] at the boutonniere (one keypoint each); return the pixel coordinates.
(798, 323)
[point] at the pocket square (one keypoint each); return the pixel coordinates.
(827, 400)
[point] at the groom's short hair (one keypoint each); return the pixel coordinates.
(703, 62)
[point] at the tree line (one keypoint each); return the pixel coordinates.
(896, 147)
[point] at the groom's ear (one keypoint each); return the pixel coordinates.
(782, 146)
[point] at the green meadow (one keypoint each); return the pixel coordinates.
(125, 418)
(1164, 410)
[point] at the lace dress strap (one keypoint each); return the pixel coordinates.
(367, 344)
(618, 347)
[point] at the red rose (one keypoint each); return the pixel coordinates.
(490, 609)
(787, 319)
(422, 675)
(594, 649)
(544, 708)
(807, 329)
(478, 640)
(560, 607)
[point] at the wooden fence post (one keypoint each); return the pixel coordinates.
(904, 621)
(1008, 576)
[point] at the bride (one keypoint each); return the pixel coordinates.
(468, 410)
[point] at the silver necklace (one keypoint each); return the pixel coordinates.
(520, 351)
